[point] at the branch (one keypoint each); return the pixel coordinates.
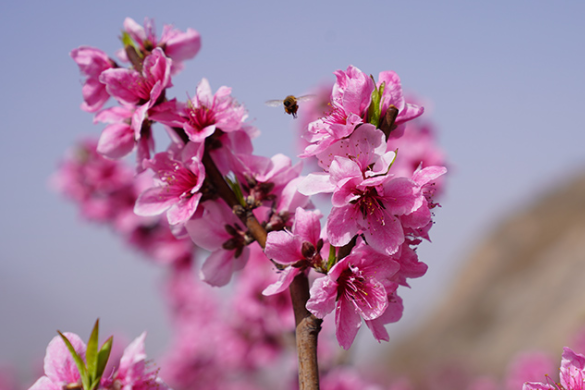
(307, 332)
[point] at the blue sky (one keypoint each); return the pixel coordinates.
(505, 78)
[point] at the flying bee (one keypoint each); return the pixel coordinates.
(290, 103)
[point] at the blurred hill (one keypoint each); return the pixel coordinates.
(522, 289)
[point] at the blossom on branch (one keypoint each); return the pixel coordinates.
(355, 287)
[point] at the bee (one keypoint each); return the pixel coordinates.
(290, 103)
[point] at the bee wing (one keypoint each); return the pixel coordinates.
(274, 103)
(305, 98)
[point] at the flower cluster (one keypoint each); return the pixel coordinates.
(209, 189)
(379, 214)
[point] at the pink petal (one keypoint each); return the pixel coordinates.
(183, 210)
(154, 201)
(132, 363)
(220, 265)
(285, 278)
(316, 183)
(307, 225)
(94, 94)
(375, 300)
(384, 235)
(183, 46)
(120, 84)
(428, 174)
(116, 141)
(59, 364)
(347, 322)
(283, 247)
(342, 225)
(323, 294)
(44, 383)
(401, 196)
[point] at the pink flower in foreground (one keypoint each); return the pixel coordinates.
(135, 372)
(205, 112)
(355, 287)
(143, 89)
(215, 228)
(367, 198)
(92, 62)
(350, 99)
(298, 248)
(60, 368)
(572, 374)
(133, 87)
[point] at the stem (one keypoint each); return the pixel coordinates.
(307, 332)
(225, 192)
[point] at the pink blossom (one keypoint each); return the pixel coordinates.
(262, 178)
(177, 45)
(92, 62)
(135, 372)
(133, 87)
(216, 229)
(299, 248)
(572, 374)
(350, 99)
(205, 112)
(118, 138)
(142, 89)
(394, 96)
(60, 368)
(368, 199)
(177, 188)
(355, 288)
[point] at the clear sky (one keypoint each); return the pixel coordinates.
(505, 80)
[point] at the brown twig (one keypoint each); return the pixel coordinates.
(307, 332)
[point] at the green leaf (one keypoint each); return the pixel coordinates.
(78, 361)
(95, 384)
(375, 109)
(332, 257)
(237, 189)
(128, 41)
(91, 351)
(103, 356)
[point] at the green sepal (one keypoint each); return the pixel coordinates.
(332, 257)
(375, 109)
(95, 384)
(103, 356)
(78, 362)
(92, 351)
(237, 189)
(128, 41)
